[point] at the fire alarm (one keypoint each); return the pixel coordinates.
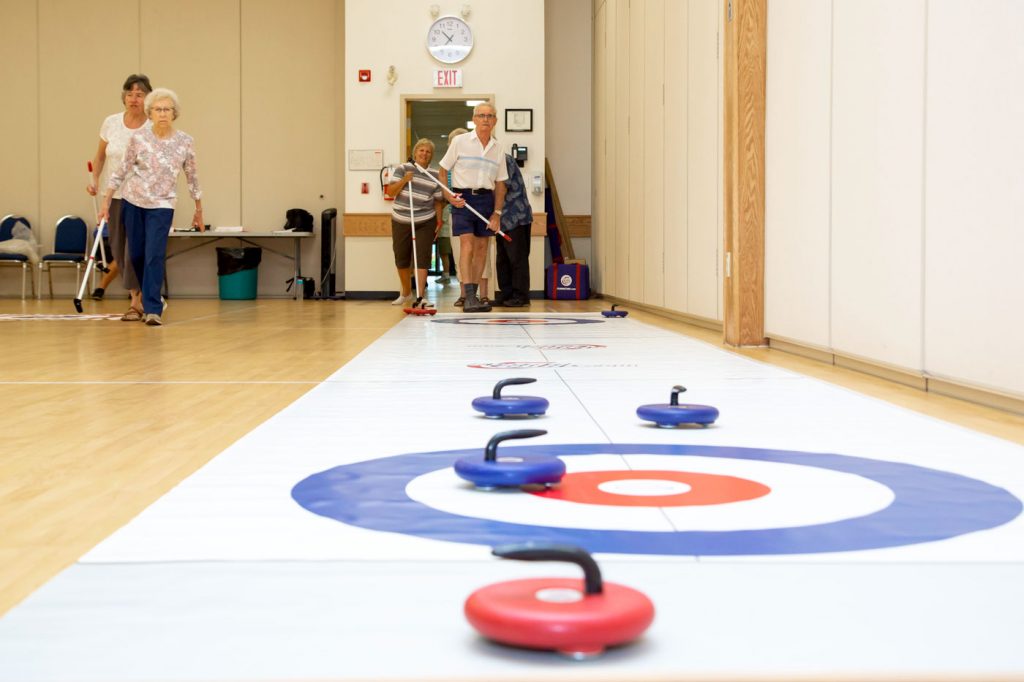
(364, 75)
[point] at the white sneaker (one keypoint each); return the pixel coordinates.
(402, 300)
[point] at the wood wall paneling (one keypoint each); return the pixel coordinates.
(653, 254)
(877, 180)
(745, 31)
(367, 224)
(576, 225)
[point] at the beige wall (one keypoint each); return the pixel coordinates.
(657, 154)
(258, 82)
(568, 97)
(893, 196)
(19, 119)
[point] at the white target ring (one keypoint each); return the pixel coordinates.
(781, 501)
(800, 496)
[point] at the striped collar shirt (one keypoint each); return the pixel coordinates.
(472, 165)
(424, 193)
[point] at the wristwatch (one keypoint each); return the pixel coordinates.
(497, 212)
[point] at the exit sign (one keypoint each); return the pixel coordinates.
(447, 78)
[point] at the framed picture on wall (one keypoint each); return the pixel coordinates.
(519, 120)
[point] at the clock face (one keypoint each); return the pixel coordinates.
(449, 40)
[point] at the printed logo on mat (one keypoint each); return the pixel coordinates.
(667, 500)
(523, 321)
(537, 364)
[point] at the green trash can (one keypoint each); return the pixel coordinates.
(238, 272)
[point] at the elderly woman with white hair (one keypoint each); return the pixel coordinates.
(427, 204)
(148, 179)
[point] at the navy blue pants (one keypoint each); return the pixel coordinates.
(147, 230)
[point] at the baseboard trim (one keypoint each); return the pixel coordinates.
(810, 352)
(982, 396)
(893, 374)
(919, 380)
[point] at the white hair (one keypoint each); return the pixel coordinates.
(163, 93)
(478, 107)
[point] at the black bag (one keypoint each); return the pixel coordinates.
(298, 220)
(232, 260)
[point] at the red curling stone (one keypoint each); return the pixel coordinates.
(576, 618)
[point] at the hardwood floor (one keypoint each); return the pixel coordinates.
(104, 417)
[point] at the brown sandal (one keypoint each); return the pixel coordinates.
(133, 315)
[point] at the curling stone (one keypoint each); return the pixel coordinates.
(576, 618)
(510, 471)
(496, 406)
(420, 307)
(673, 414)
(614, 313)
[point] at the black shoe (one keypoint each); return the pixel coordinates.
(516, 303)
(97, 294)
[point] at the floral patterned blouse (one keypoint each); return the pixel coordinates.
(149, 172)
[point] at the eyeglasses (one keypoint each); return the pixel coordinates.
(484, 116)
(162, 110)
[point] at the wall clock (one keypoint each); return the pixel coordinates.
(449, 40)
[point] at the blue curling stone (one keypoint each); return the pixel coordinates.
(511, 471)
(669, 416)
(614, 313)
(496, 408)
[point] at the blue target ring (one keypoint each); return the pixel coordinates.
(929, 505)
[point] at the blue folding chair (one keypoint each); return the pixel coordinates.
(7, 224)
(69, 244)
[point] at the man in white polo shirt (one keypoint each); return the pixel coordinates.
(477, 165)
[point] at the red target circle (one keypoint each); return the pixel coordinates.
(604, 488)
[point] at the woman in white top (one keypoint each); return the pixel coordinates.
(115, 132)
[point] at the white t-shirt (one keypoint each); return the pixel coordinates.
(116, 134)
(472, 165)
